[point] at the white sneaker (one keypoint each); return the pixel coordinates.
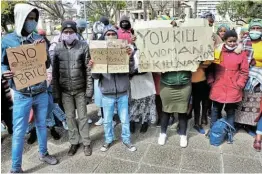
(65, 125)
(90, 121)
(183, 141)
(99, 122)
(162, 139)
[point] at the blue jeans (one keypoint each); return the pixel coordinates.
(108, 110)
(21, 109)
(53, 110)
(259, 126)
(230, 109)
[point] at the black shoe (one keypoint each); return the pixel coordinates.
(54, 134)
(132, 127)
(33, 137)
(73, 150)
(88, 150)
(144, 128)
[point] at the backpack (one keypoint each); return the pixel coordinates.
(221, 131)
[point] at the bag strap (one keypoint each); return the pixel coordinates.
(231, 127)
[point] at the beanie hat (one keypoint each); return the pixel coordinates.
(109, 28)
(230, 33)
(69, 24)
(255, 22)
(81, 23)
(104, 20)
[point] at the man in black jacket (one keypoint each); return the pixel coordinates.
(73, 83)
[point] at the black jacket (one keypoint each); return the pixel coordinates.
(71, 73)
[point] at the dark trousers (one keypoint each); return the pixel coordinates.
(200, 95)
(158, 108)
(182, 122)
(230, 109)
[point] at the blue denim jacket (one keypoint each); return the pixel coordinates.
(12, 40)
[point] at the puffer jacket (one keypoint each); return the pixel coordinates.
(229, 77)
(71, 73)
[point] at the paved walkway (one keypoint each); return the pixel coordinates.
(199, 156)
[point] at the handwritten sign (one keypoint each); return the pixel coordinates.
(109, 56)
(28, 64)
(174, 49)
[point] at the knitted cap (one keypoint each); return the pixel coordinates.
(81, 23)
(255, 22)
(69, 24)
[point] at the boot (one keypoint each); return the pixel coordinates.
(132, 127)
(144, 127)
(33, 137)
(54, 134)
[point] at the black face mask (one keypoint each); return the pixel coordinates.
(125, 25)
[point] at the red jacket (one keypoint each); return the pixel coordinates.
(229, 77)
(124, 34)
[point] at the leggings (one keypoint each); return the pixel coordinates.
(182, 122)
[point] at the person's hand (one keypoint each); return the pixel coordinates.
(133, 38)
(253, 62)
(128, 50)
(91, 62)
(238, 50)
(39, 41)
(7, 75)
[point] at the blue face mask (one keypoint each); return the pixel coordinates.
(30, 25)
(255, 35)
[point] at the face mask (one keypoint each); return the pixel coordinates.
(230, 48)
(69, 39)
(110, 37)
(29, 26)
(254, 35)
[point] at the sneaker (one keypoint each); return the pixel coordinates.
(90, 121)
(65, 125)
(162, 139)
(48, 159)
(183, 141)
(105, 147)
(73, 149)
(87, 150)
(99, 122)
(199, 129)
(19, 171)
(54, 134)
(130, 147)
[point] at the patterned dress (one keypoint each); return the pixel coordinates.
(142, 99)
(249, 108)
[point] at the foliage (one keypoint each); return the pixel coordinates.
(7, 12)
(96, 9)
(240, 10)
(55, 9)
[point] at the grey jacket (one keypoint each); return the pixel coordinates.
(115, 84)
(71, 73)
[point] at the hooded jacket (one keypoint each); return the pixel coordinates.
(71, 73)
(16, 39)
(116, 84)
(122, 33)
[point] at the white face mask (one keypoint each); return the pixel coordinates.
(230, 48)
(110, 37)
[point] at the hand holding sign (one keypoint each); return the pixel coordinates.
(27, 62)
(7, 75)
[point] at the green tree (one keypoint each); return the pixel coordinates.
(240, 10)
(7, 13)
(96, 9)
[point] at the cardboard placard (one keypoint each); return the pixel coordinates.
(174, 49)
(28, 64)
(109, 56)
